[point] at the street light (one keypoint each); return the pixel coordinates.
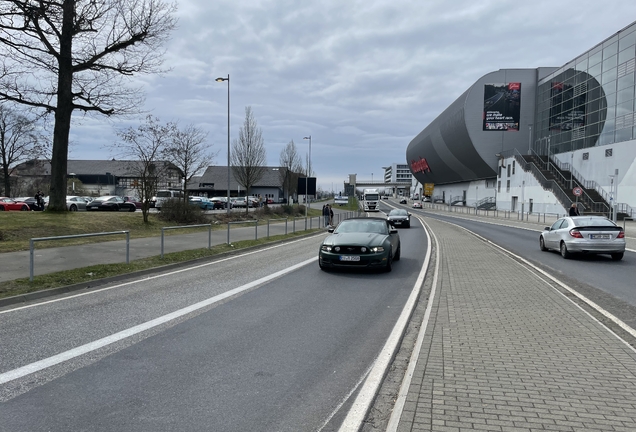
(227, 204)
(307, 177)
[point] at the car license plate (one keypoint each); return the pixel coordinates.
(600, 236)
(349, 258)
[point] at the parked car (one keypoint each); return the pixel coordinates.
(8, 204)
(426, 199)
(110, 203)
(403, 201)
(417, 205)
(584, 234)
(202, 202)
(133, 199)
(399, 218)
(220, 202)
(75, 203)
(239, 202)
(360, 243)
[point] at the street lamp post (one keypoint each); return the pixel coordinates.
(307, 177)
(227, 204)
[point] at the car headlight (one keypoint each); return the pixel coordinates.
(326, 248)
(377, 249)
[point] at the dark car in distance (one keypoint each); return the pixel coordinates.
(110, 203)
(399, 218)
(360, 243)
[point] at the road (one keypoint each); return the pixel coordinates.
(608, 283)
(260, 341)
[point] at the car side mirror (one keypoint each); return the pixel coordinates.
(330, 229)
(409, 214)
(393, 230)
(548, 228)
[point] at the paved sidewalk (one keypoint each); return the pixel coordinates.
(504, 351)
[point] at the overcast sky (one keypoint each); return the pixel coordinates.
(363, 78)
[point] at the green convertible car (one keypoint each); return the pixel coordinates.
(360, 243)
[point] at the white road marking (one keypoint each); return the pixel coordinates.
(92, 346)
(147, 278)
(362, 403)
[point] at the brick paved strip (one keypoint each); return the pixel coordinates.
(506, 351)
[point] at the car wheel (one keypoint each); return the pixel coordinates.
(1, 208)
(73, 208)
(564, 251)
(617, 256)
(542, 244)
(398, 254)
(389, 263)
(24, 208)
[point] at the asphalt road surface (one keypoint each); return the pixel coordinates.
(610, 284)
(263, 341)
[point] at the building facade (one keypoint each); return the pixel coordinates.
(527, 138)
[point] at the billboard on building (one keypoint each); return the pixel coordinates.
(502, 106)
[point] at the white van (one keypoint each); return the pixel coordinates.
(164, 195)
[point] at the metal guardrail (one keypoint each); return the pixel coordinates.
(163, 229)
(37, 239)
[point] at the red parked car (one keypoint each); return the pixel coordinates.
(7, 204)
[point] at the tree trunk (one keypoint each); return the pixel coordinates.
(63, 113)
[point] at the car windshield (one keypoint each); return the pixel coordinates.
(398, 212)
(361, 225)
(593, 221)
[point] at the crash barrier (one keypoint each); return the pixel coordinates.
(37, 239)
(164, 229)
(494, 213)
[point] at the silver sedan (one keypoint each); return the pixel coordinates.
(584, 234)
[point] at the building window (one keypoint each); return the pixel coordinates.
(508, 170)
(499, 186)
(513, 167)
(586, 156)
(608, 152)
(508, 186)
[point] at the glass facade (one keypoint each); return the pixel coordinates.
(590, 101)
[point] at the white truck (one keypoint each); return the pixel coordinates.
(370, 200)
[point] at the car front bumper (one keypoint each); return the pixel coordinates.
(333, 260)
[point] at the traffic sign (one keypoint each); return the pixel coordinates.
(577, 191)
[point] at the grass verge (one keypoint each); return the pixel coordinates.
(93, 273)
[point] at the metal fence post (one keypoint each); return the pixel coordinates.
(162, 243)
(210, 237)
(31, 246)
(267, 228)
(286, 220)
(256, 230)
(228, 232)
(127, 247)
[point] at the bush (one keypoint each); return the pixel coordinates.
(182, 213)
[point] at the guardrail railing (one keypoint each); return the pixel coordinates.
(38, 239)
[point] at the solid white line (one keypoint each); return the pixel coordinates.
(147, 278)
(396, 414)
(362, 403)
(92, 346)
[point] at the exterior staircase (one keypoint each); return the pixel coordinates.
(488, 203)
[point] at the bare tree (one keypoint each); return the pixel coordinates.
(147, 145)
(19, 141)
(248, 154)
(189, 151)
(292, 163)
(67, 55)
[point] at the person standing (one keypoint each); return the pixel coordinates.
(325, 214)
(330, 214)
(574, 210)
